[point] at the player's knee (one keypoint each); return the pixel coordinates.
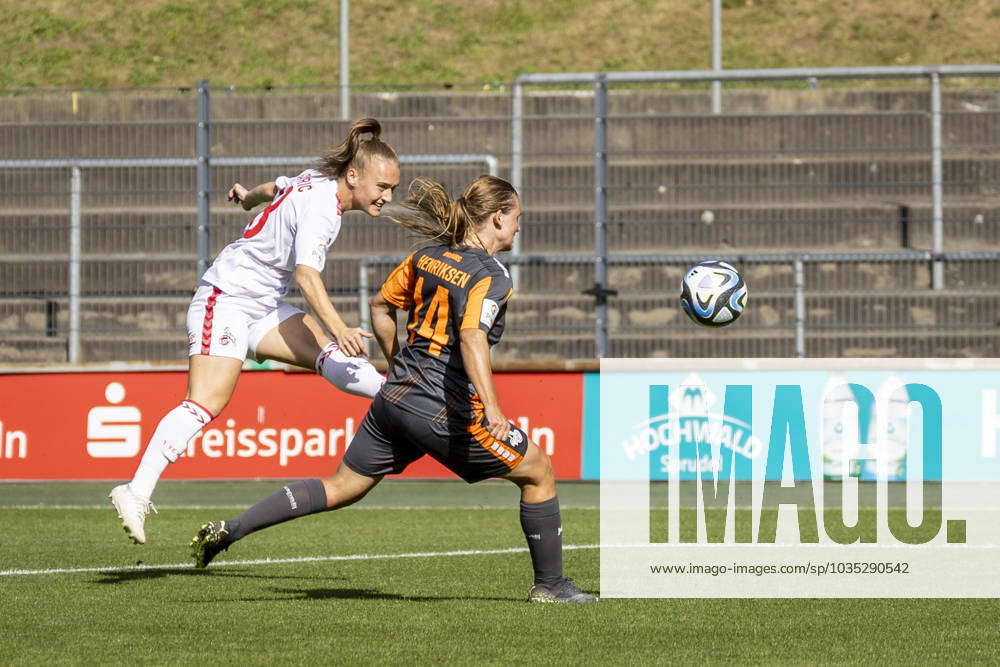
(346, 487)
(545, 472)
(369, 381)
(354, 375)
(213, 402)
(535, 469)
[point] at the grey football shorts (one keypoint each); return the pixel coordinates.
(391, 439)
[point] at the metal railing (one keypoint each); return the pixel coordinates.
(799, 285)
(612, 168)
(601, 80)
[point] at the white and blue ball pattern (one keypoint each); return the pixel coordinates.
(713, 293)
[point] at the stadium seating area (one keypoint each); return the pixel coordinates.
(843, 170)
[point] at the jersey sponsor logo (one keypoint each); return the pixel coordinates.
(489, 312)
(443, 270)
(455, 257)
(114, 431)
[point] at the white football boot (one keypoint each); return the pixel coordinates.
(132, 510)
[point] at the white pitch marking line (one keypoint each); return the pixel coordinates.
(439, 554)
(410, 507)
(242, 507)
(282, 561)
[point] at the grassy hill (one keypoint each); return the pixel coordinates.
(295, 42)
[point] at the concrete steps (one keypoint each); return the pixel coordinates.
(834, 226)
(703, 136)
(546, 313)
(780, 170)
(695, 344)
(159, 274)
(135, 316)
(737, 342)
(470, 101)
(649, 182)
(908, 323)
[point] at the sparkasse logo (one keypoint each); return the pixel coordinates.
(114, 431)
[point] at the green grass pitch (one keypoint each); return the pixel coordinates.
(383, 608)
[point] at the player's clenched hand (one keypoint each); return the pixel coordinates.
(497, 424)
(237, 194)
(352, 340)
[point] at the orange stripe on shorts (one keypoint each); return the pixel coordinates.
(499, 449)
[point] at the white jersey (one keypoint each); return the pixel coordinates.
(297, 227)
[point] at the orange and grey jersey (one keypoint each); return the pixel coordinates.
(444, 290)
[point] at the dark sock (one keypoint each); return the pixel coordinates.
(542, 527)
(289, 502)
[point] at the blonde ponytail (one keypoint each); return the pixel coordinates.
(431, 213)
(355, 151)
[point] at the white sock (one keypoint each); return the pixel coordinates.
(355, 375)
(169, 442)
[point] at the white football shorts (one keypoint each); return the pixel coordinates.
(222, 325)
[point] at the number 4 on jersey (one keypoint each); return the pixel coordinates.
(435, 317)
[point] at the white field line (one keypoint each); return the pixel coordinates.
(243, 507)
(402, 507)
(464, 552)
(281, 561)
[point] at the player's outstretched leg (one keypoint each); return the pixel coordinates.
(542, 525)
(211, 381)
(166, 446)
(298, 339)
(297, 499)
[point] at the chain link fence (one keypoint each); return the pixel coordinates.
(789, 167)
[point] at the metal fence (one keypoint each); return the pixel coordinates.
(793, 166)
(815, 305)
(710, 162)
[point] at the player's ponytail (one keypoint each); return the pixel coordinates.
(355, 151)
(431, 213)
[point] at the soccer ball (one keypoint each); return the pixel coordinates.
(713, 293)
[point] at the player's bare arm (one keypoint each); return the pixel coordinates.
(249, 199)
(476, 357)
(383, 318)
(350, 339)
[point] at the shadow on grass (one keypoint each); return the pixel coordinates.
(146, 575)
(283, 594)
(288, 594)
